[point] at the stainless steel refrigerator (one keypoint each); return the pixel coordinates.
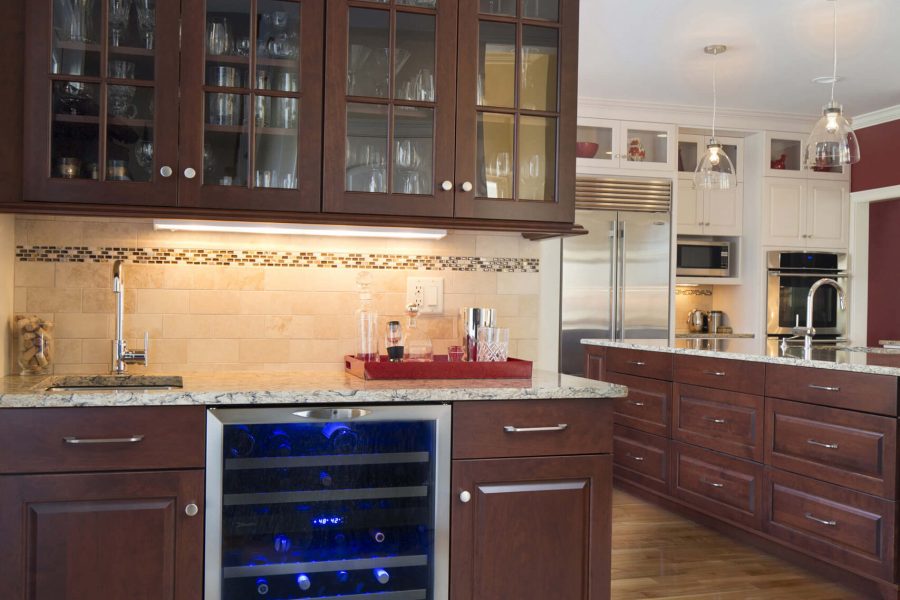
(616, 279)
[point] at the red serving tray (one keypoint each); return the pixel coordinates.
(441, 368)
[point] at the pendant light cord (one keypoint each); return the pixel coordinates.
(834, 38)
(715, 94)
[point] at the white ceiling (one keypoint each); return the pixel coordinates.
(652, 51)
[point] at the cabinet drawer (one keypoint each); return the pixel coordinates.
(848, 448)
(102, 439)
(647, 405)
(842, 389)
(720, 373)
(481, 429)
(720, 420)
(641, 458)
(719, 485)
(643, 363)
(849, 528)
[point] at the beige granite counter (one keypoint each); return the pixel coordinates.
(307, 388)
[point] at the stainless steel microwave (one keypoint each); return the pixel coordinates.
(703, 258)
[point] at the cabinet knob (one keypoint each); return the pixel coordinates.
(465, 496)
(191, 510)
(190, 173)
(166, 171)
(467, 186)
(447, 186)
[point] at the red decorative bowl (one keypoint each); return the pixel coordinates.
(586, 149)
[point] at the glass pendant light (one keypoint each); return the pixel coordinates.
(832, 142)
(715, 170)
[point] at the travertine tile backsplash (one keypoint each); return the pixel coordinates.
(209, 317)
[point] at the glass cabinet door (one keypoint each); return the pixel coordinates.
(390, 107)
(647, 146)
(251, 121)
(102, 109)
(516, 126)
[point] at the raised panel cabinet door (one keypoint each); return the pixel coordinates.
(251, 114)
(516, 120)
(390, 107)
(828, 215)
(724, 211)
(101, 102)
(784, 212)
(594, 362)
(690, 208)
(109, 535)
(531, 528)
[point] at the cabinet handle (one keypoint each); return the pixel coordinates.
(166, 171)
(635, 403)
(467, 186)
(191, 510)
(447, 186)
(824, 388)
(134, 439)
(513, 429)
(715, 373)
(716, 420)
(637, 363)
(812, 517)
(465, 496)
(714, 484)
(633, 457)
(822, 444)
(190, 173)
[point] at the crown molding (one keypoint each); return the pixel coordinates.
(876, 195)
(877, 117)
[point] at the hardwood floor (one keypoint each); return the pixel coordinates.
(658, 554)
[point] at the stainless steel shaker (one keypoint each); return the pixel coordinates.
(716, 320)
(474, 319)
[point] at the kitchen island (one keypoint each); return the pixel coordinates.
(103, 492)
(795, 452)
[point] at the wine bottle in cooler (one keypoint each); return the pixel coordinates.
(239, 442)
(279, 443)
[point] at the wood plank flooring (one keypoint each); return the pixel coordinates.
(658, 554)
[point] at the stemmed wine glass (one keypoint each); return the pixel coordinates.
(503, 170)
(119, 11)
(146, 13)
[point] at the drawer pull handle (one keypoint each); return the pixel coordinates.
(715, 373)
(636, 403)
(812, 517)
(715, 420)
(714, 484)
(637, 363)
(633, 457)
(127, 440)
(513, 429)
(822, 444)
(825, 388)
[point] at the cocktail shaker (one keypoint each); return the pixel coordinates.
(474, 319)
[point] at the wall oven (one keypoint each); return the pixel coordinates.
(328, 502)
(790, 275)
(700, 258)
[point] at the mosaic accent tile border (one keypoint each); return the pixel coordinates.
(692, 292)
(275, 258)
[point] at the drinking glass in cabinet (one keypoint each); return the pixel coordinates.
(121, 69)
(413, 150)
(497, 64)
(218, 37)
(121, 101)
(415, 35)
(224, 109)
(223, 76)
(499, 7)
(369, 52)
(278, 36)
(75, 20)
(496, 142)
(146, 15)
(537, 158)
(119, 12)
(367, 146)
(538, 83)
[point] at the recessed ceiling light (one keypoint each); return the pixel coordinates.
(827, 79)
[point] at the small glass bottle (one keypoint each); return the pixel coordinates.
(366, 321)
(418, 345)
(393, 341)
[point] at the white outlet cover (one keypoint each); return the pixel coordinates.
(427, 292)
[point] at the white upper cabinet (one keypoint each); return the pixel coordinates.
(689, 217)
(784, 158)
(805, 214)
(708, 212)
(692, 147)
(603, 144)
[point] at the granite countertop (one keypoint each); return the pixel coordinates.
(307, 388)
(878, 361)
(713, 336)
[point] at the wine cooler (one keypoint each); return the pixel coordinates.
(328, 503)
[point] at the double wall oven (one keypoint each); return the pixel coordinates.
(790, 276)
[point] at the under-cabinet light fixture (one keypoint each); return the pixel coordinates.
(300, 229)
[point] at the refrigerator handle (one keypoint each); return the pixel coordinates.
(613, 257)
(620, 305)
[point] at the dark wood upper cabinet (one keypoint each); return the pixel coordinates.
(251, 104)
(390, 80)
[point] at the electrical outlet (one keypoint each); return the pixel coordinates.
(427, 292)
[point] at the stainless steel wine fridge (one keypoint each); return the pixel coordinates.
(326, 503)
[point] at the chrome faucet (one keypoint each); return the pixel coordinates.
(121, 356)
(809, 331)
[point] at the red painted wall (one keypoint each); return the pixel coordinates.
(879, 164)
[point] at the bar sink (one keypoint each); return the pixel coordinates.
(91, 383)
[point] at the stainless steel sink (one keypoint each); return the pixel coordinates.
(93, 383)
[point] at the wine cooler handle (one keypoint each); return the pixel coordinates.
(465, 496)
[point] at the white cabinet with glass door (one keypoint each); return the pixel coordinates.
(784, 158)
(605, 144)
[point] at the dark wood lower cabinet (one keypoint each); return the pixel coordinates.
(641, 458)
(534, 528)
(102, 535)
